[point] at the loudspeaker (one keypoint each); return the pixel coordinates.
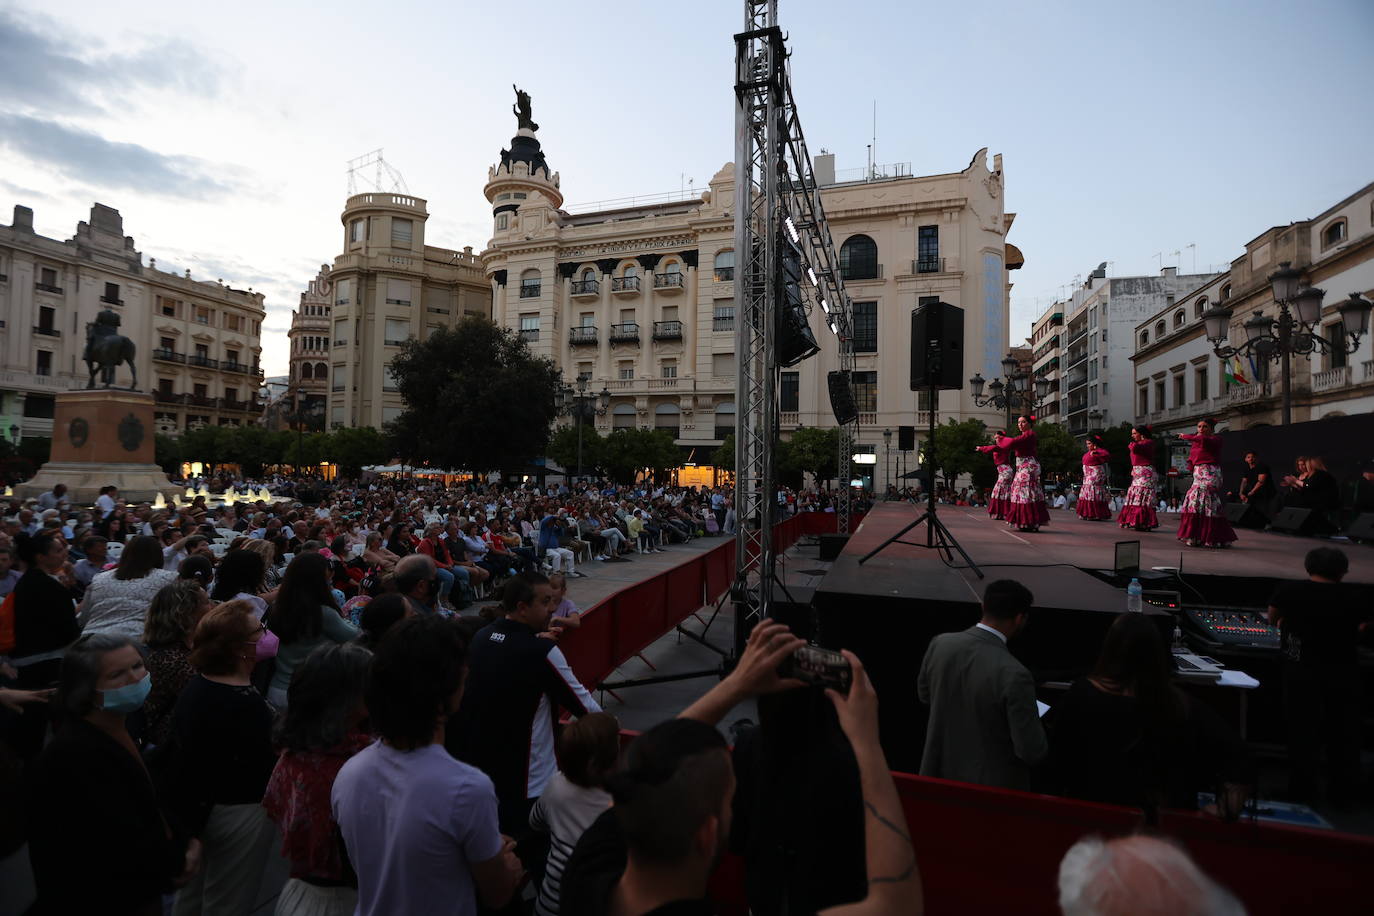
(1245, 515)
(1362, 527)
(792, 606)
(906, 438)
(832, 544)
(1293, 520)
(841, 397)
(937, 347)
(795, 342)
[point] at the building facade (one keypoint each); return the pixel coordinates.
(1047, 337)
(1178, 378)
(198, 343)
(308, 374)
(639, 299)
(1095, 373)
(388, 286)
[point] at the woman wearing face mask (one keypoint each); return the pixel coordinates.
(222, 741)
(97, 839)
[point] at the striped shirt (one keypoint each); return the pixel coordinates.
(564, 811)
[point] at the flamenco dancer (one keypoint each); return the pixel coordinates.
(1092, 498)
(1026, 509)
(1203, 524)
(1138, 512)
(1000, 500)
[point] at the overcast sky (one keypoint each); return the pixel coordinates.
(222, 132)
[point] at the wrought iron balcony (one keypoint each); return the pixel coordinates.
(625, 333)
(586, 288)
(928, 265)
(168, 397)
(201, 400)
(582, 334)
(47, 331)
(48, 288)
(721, 323)
(231, 366)
(112, 300)
(530, 290)
(667, 330)
(197, 360)
(169, 356)
(670, 281)
(624, 284)
(529, 335)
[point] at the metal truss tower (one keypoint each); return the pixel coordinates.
(776, 197)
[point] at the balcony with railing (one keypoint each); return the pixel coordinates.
(168, 397)
(582, 335)
(723, 323)
(204, 362)
(46, 330)
(529, 335)
(112, 300)
(789, 417)
(235, 404)
(670, 282)
(625, 285)
(586, 288)
(1368, 367)
(667, 330)
(201, 400)
(625, 332)
(868, 419)
(234, 366)
(928, 265)
(530, 290)
(169, 356)
(663, 384)
(724, 274)
(48, 288)
(1245, 394)
(1331, 379)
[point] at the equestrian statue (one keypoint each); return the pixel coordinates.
(106, 348)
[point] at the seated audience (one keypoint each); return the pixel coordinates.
(303, 617)
(379, 615)
(167, 633)
(1138, 876)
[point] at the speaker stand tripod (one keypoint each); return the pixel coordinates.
(938, 537)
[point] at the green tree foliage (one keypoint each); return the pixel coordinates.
(305, 451)
(724, 457)
(35, 449)
(1059, 452)
(476, 399)
(813, 450)
(204, 444)
(563, 448)
(354, 449)
(1116, 440)
(954, 452)
(626, 452)
(167, 453)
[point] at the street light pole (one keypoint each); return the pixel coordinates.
(887, 462)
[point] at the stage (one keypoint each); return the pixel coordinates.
(888, 609)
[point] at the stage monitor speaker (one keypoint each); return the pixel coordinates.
(937, 347)
(792, 606)
(832, 544)
(906, 438)
(841, 397)
(1362, 527)
(1293, 520)
(1244, 515)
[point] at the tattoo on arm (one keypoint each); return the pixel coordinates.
(907, 872)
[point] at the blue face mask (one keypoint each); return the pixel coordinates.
(128, 698)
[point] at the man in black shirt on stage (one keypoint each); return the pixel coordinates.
(1257, 487)
(1320, 622)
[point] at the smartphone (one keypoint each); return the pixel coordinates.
(819, 667)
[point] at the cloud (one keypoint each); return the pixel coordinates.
(81, 154)
(40, 73)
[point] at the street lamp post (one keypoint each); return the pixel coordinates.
(1018, 391)
(1295, 332)
(887, 462)
(581, 405)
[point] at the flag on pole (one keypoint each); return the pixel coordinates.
(1235, 374)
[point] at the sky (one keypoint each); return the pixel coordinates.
(1129, 131)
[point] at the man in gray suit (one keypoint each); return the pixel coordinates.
(984, 726)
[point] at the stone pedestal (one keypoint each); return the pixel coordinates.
(102, 438)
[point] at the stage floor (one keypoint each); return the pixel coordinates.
(1050, 561)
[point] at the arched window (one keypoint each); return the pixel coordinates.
(1199, 306)
(1179, 318)
(631, 270)
(321, 371)
(668, 417)
(530, 282)
(1226, 292)
(307, 371)
(588, 275)
(859, 258)
(725, 265)
(1144, 338)
(1159, 329)
(673, 267)
(623, 416)
(1334, 233)
(725, 420)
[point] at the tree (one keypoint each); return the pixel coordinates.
(476, 399)
(1117, 441)
(352, 449)
(563, 448)
(167, 453)
(1058, 451)
(313, 448)
(204, 444)
(813, 450)
(724, 457)
(250, 447)
(626, 452)
(954, 454)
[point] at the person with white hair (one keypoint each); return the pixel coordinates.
(1138, 876)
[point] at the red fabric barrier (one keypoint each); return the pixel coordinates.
(1279, 870)
(719, 570)
(642, 609)
(685, 587)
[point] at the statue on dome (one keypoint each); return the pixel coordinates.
(521, 109)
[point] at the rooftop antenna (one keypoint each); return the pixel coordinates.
(384, 177)
(1159, 256)
(874, 147)
(1192, 246)
(1179, 255)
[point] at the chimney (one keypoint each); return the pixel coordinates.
(23, 219)
(1169, 272)
(823, 168)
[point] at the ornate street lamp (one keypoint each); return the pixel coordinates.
(1019, 391)
(1295, 332)
(583, 406)
(887, 461)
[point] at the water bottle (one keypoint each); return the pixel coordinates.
(1133, 596)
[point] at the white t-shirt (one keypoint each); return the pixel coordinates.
(564, 811)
